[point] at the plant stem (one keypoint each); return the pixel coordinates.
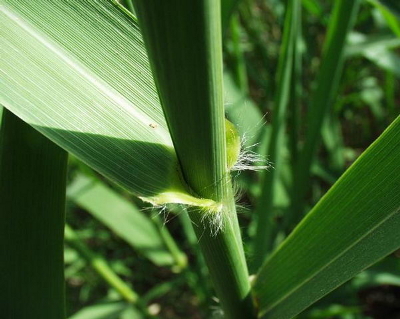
(184, 44)
(32, 204)
(226, 261)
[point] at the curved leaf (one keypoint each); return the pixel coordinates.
(354, 225)
(77, 71)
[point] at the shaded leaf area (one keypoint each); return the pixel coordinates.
(61, 75)
(354, 225)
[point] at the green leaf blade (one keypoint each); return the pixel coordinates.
(354, 225)
(90, 92)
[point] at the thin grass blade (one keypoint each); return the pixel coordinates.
(100, 265)
(341, 22)
(266, 226)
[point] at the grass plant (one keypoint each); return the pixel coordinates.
(138, 93)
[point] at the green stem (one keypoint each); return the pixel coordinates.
(99, 265)
(226, 262)
(184, 44)
(32, 204)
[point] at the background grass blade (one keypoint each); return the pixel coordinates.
(237, 58)
(354, 225)
(32, 205)
(264, 212)
(100, 266)
(122, 217)
(392, 5)
(341, 21)
(227, 9)
(392, 21)
(90, 92)
(108, 310)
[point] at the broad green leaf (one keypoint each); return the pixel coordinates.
(78, 73)
(121, 216)
(354, 225)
